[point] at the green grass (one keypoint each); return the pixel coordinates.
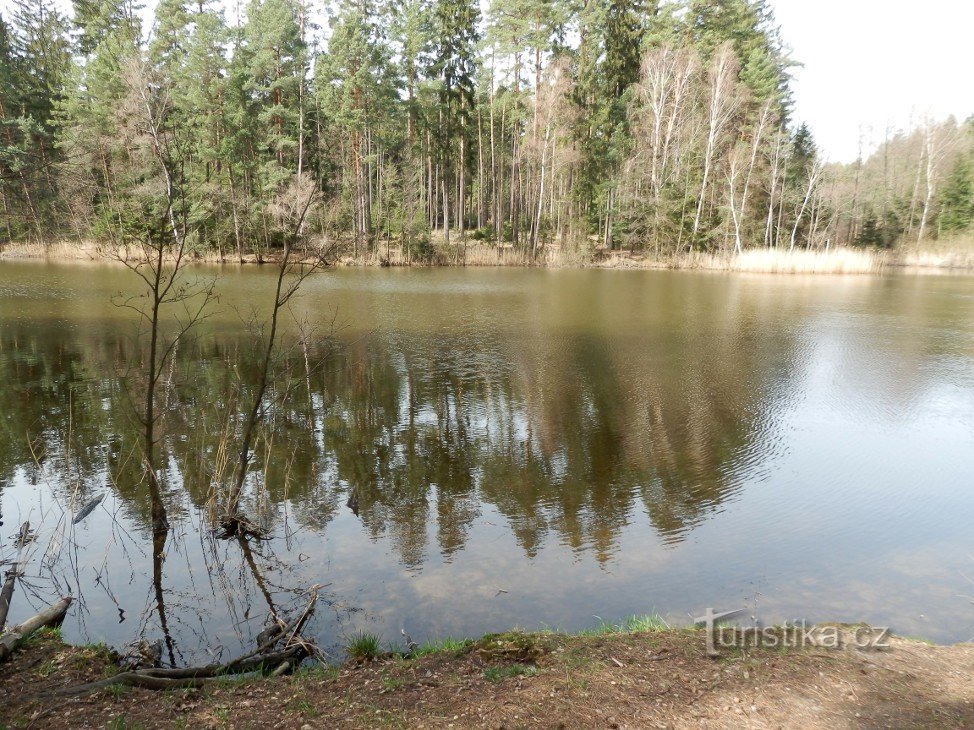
(46, 669)
(306, 708)
(47, 633)
(917, 639)
(117, 691)
(447, 645)
(498, 674)
(364, 646)
(631, 625)
(317, 671)
(120, 723)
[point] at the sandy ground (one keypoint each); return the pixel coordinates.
(653, 679)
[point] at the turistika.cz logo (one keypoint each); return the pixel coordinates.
(792, 634)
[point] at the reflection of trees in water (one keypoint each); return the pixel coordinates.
(562, 437)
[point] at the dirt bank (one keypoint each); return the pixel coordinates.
(644, 679)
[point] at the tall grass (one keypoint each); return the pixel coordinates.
(364, 646)
(948, 253)
(781, 261)
(772, 261)
(953, 253)
(631, 625)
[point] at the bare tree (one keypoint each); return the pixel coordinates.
(937, 141)
(813, 178)
(150, 233)
(722, 103)
(294, 266)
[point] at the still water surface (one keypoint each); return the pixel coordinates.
(478, 449)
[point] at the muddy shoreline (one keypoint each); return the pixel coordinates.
(654, 678)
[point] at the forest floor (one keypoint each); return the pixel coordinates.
(656, 678)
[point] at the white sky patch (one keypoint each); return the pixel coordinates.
(877, 63)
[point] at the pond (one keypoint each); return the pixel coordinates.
(454, 451)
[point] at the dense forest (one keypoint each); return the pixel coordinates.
(654, 125)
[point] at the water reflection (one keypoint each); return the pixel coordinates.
(576, 413)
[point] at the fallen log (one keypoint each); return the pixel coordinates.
(52, 615)
(237, 666)
(189, 677)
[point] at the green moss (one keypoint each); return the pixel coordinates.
(515, 646)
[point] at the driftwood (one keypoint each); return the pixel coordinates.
(87, 509)
(191, 677)
(10, 577)
(24, 536)
(52, 615)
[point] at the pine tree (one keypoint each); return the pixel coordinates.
(606, 67)
(454, 66)
(957, 198)
(356, 90)
(98, 19)
(275, 54)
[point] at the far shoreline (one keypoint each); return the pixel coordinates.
(840, 260)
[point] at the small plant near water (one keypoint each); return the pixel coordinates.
(631, 625)
(318, 671)
(364, 646)
(47, 633)
(497, 674)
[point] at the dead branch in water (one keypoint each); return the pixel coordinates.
(87, 509)
(291, 274)
(50, 616)
(262, 660)
(7, 592)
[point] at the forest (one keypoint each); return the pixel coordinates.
(431, 126)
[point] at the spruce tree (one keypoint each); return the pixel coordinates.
(957, 198)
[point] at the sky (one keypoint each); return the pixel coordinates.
(867, 65)
(873, 63)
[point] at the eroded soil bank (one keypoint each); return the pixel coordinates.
(650, 679)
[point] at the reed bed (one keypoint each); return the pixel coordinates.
(955, 253)
(833, 261)
(952, 253)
